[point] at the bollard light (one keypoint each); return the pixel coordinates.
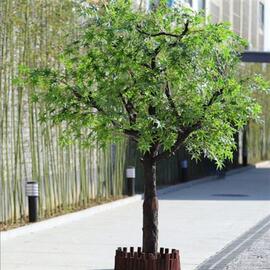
(32, 194)
(184, 169)
(130, 175)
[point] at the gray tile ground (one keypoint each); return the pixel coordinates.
(237, 255)
(255, 257)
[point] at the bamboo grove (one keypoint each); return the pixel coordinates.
(258, 134)
(32, 33)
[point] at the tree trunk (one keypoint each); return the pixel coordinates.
(150, 206)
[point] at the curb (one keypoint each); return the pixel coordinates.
(203, 180)
(262, 164)
(67, 218)
(240, 170)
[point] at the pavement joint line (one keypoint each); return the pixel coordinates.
(233, 249)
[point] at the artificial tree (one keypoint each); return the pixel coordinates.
(166, 78)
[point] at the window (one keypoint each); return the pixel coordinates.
(261, 15)
(177, 2)
(215, 12)
(201, 4)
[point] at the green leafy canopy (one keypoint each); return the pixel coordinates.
(166, 78)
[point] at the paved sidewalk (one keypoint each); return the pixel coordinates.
(199, 220)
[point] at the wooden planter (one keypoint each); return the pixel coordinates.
(138, 260)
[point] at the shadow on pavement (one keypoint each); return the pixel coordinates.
(254, 185)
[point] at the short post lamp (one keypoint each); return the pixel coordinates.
(130, 175)
(244, 148)
(184, 169)
(32, 194)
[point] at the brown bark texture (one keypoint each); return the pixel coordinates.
(150, 206)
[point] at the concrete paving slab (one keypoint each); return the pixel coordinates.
(199, 220)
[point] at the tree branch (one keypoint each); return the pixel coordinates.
(184, 33)
(170, 100)
(131, 133)
(184, 133)
(214, 98)
(158, 48)
(129, 107)
(154, 56)
(163, 33)
(181, 137)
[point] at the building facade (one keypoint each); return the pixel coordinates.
(249, 18)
